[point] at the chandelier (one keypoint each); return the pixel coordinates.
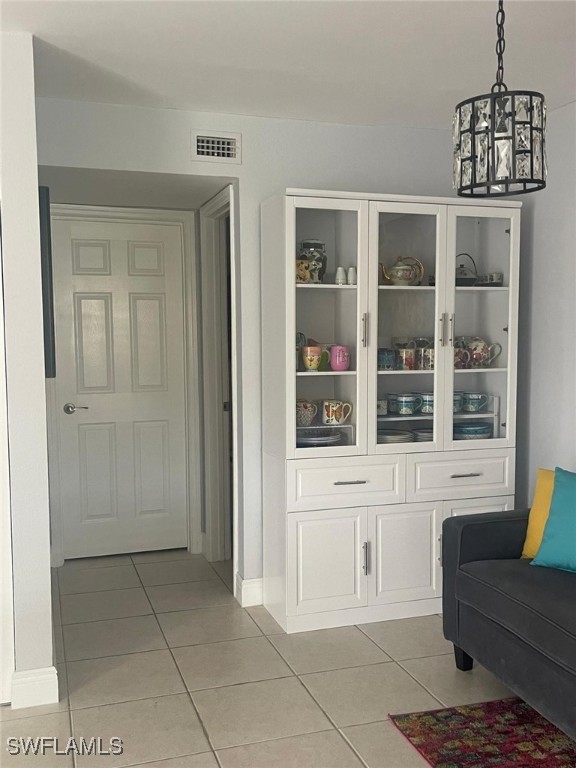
(499, 146)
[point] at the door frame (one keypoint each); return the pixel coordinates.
(7, 660)
(185, 221)
(213, 214)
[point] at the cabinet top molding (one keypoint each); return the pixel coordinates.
(296, 192)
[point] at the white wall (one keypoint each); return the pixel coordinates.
(276, 154)
(34, 681)
(547, 360)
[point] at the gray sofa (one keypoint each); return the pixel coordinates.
(516, 620)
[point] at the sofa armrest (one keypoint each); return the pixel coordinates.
(466, 538)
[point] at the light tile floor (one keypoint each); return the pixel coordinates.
(152, 648)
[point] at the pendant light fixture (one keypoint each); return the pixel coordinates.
(499, 137)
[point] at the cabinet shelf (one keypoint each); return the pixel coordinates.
(430, 417)
(406, 288)
(325, 287)
(326, 373)
(403, 373)
(482, 288)
(480, 370)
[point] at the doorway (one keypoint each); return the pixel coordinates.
(220, 395)
(63, 183)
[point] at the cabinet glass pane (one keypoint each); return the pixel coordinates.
(480, 328)
(326, 276)
(406, 327)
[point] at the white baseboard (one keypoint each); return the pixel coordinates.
(249, 591)
(33, 687)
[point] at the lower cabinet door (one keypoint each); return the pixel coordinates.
(326, 560)
(476, 506)
(403, 558)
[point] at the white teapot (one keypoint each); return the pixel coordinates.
(406, 271)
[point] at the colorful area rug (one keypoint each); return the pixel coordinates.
(495, 734)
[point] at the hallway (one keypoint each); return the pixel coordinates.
(153, 649)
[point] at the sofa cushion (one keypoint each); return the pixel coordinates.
(558, 548)
(539, 512)
(536, 604)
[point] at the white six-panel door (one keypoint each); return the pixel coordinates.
(120, 360)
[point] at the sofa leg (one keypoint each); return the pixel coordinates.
(463, 661)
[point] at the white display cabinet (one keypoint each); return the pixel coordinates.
(354, 491)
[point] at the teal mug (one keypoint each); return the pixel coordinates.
(475, 401)
(427, 402)
(409, 404)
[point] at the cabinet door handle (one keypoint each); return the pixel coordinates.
(451, 339)
(350, 482)
(442, 322)
(468, 474)
(365, 553)
(365, 329)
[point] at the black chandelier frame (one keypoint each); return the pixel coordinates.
(499, 137)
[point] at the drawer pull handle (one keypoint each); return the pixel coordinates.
(350, 482)
(468, 474)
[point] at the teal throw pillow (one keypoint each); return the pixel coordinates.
(558, 548)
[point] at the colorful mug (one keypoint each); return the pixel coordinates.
(409, 404)
(461, 358)
(406, 360)
(386, 359)
(457, 402)
(335, 412)
(475, 401)
(311, 356)
(425, 358)
(427, 402)
(339, 357)
(305, 413)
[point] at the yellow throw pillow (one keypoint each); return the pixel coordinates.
(539, 512)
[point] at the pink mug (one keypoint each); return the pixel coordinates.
(339, 357)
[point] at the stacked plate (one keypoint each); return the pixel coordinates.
(315, 438)
(395, 436)
(472, 431)
(423, 435)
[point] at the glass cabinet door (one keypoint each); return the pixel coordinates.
(482, 300)
(405, 370)
(329, 274)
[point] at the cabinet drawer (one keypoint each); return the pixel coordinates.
(345, 482)
(462, 475)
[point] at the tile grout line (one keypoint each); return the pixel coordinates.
(420, 683)
(119, 589)
(297, 676)
(352, 747)
(204, 729)
(70, 720)
(330, 720)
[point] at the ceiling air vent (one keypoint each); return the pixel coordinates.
(217, 147)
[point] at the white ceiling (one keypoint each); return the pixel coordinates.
(406, 62)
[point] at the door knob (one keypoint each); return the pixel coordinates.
(70, 408)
